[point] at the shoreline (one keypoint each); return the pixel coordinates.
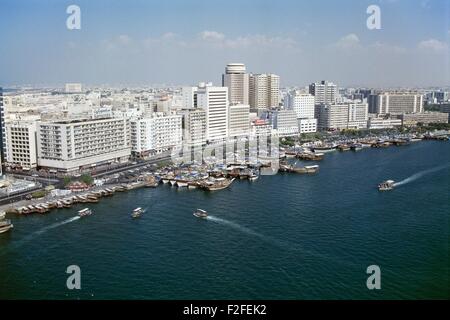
(46, 204)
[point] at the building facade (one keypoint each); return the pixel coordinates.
(412, 119)
(396, 103)
(194, 127)
(214, 101)
(264, 91)
(77, 145)
(342, 116)
(236, 80)
(22, 146)
(154, 135)
(324, 92)
(239, 120)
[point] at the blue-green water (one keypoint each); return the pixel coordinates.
(280, 237)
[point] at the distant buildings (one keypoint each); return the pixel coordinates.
(342, 116)
(324, 92)
(21, 142)
(264, 91)
(77, 145)
(396, 103)
(412, 119)
(73, 88)
(377, 123)
(237, 81)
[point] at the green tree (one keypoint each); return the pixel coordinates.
(87, 178)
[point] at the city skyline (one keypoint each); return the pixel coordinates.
(178, 43)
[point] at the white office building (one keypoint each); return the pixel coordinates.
(157, 134)
(74, 145)
(239, 120)
(284, 121)
(194, 127)
(237, 81)
(307, 125)
(324, 92)
(396, 103)
(342, 116)
(214, 101)
(21, 143)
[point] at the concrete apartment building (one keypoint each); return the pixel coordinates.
(264, 91)
(342, 116)
(21, 144)
(303, 105)
(412, 119)
(396, 103)
(236, 80)
(71, 146)
(194, 127)
(238, 120)
(324, 92)
(154, 135)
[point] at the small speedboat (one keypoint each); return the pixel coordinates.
(199, 213)
(84, 212)
(137, 212)
(5, 225)
(386, 185)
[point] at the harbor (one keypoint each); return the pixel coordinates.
(213, 176)
(295, 225)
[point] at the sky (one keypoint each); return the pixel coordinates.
(183, 42)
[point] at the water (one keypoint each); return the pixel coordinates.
(280, 237)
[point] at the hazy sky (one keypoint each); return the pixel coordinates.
(185, 41)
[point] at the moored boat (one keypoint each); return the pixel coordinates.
(5, 225)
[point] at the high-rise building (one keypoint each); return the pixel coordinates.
(22, 147)
(214, 101)
(189, 97)
(157, 134)
(396, 103)
(194, 127)
(77, 145)
(237, 81)
(324, 92)
(2, 134)
(239, 120)
(284, 121)
(302, 104)
(264, 91)
(342, 116)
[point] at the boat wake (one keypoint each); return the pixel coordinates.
(420, 174)
(237, 227)
(55, 225)
(285, 245)
(42, 231)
